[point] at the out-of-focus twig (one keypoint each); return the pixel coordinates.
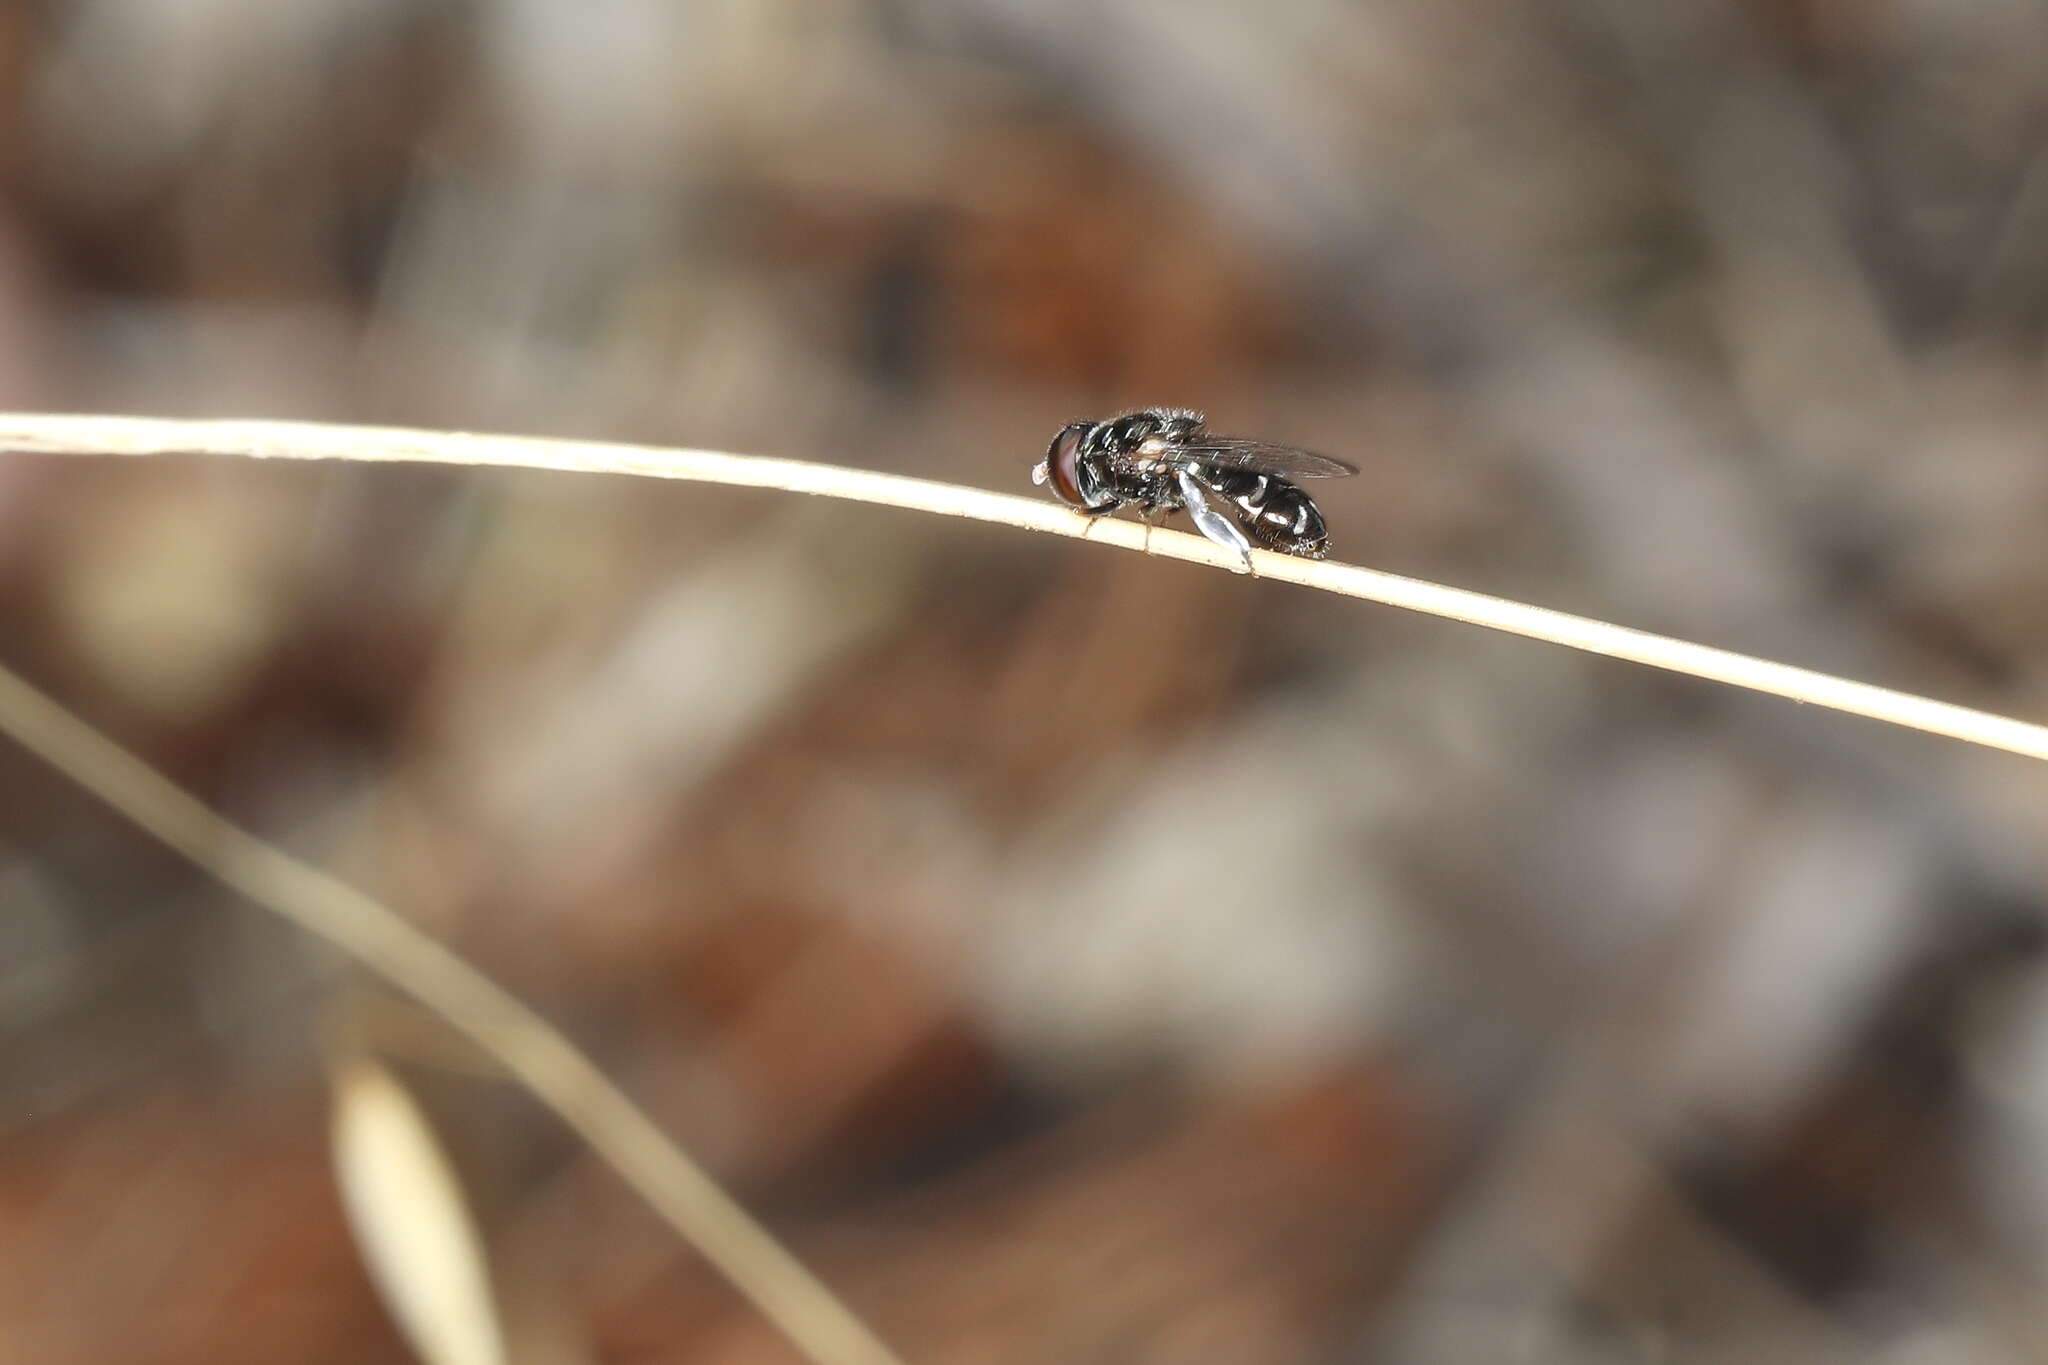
(94, 435)
(522, 1042)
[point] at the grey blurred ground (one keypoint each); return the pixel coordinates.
(1077, 957)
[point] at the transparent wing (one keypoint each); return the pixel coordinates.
(1262, 457)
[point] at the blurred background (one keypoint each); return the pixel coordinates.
(1075, 957)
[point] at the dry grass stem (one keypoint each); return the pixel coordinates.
(91, 435)
(535, 1053)
(565, 1080)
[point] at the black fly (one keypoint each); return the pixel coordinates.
(1160, 460)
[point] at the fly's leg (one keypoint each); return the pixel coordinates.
(1154, 514)
(1041, 472)
(1218, 528)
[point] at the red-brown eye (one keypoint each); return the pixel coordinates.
(1062, 465)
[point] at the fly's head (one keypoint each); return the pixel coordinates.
(1074, 468)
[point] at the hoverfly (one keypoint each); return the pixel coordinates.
(1162, 461)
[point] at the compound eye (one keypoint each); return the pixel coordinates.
(1063, 465)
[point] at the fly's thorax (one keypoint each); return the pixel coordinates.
(1150, 455)
(1126, 433)
(1146, 443)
